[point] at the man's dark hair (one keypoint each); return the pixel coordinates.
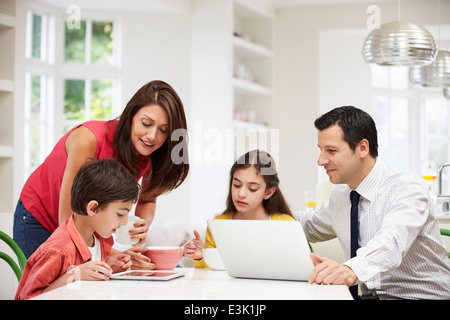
(104, 181)
(355, 123)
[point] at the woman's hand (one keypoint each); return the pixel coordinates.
(138, 260)
(119, 262)
(139, 231)
(194, 249)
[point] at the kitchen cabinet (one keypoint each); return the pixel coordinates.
(232, 55)
(12, 77)
(253, 44)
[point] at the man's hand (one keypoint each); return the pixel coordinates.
(328, 271)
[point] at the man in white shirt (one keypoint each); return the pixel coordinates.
(400, 252)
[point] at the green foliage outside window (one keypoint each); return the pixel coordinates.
(101, 53)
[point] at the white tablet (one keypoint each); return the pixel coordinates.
(147, 275)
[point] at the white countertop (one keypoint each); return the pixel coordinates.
(198, 284)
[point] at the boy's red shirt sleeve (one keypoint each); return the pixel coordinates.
(45, 270)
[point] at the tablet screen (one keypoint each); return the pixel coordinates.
(146, 275)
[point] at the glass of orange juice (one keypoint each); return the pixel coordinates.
(310, 199)
(429, 172)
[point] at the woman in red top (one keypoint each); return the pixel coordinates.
(139, 140)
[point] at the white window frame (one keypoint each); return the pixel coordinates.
(54, 71)
(417, 135)
(44, 68)
(87, 71)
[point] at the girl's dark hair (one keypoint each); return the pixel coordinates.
(104, 181)
(265, 165)
(166, 173)
(356, 125)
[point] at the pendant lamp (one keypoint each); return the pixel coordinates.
(415, 76)
(400, 43)
(447, 93)
(437, 74)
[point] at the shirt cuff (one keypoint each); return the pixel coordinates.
(366, 273)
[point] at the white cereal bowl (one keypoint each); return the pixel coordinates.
(212, 259)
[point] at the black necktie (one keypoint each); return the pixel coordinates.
(354, 199)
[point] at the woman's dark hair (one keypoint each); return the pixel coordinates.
(104, 181)
(165, 173)
(265, 166)
(355, 123)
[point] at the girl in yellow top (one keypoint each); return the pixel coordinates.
(253, 195)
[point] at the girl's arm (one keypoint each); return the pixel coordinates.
(81, 144)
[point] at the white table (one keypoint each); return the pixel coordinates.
(198, 284)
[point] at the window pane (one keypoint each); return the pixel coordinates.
(391, 118)
(398, 77)
(380, 112)
(436, 113)
(102, 43)
(36, 37)
(35, 143)
(437, 131)
(75, 43)
(399, 117)
(35, 103)
(101, 99)
(380, 76)
(437, 150)
(74, 92)
(389, 77)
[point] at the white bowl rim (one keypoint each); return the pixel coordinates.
(163, 247)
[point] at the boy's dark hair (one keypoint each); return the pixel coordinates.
(104, 181)
(355, 123)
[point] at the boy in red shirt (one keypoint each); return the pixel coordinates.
(102, 195)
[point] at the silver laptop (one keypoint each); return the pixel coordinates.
(262, 249)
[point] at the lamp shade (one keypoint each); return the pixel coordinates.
(400, 43)
(437, 74)
(415, 76)
(447, 93)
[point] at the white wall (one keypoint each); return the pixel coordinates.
(320, 67)
(157, 47)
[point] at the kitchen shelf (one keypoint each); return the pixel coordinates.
(12, 84)
(6, 152)
(248, 125)
(7, 21)
(253, 59)
(246, 48)
(6, 86)
(247, 88)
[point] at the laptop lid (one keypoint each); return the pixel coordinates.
(264, 249)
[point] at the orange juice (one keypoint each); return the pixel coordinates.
(310, 204)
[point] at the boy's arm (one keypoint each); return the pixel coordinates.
(65, 279)
(39, 274)
(91, 270)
